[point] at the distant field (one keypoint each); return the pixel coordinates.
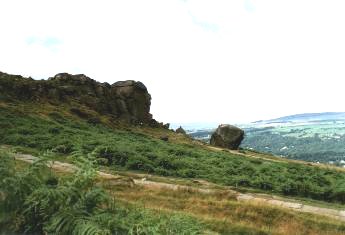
(315, 141)
(324, 130)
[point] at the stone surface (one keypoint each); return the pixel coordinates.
(180, 130)
(166, 125)
(342, 213)
(291, 205)
(125, 100)
(244, 197)
(227, 136)
(164, 138)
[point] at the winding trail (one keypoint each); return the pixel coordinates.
(267, 199)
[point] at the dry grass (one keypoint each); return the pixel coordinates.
(3, 104)
(223, 213)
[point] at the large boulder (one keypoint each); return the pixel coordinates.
(227, 136)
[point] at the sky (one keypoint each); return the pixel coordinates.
(222, 61)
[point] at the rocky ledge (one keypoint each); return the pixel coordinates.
(125, 100)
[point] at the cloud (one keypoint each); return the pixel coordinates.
(202, 60)
(51, 43)
(249, 5)
(205, 25)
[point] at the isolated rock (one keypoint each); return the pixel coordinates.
(125, 100)
(180, 130)
(227, 136)
(164, 138)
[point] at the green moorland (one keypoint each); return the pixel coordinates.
(35, 200)
(46, 127)
(36, 117)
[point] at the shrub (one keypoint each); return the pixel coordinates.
(64, 148)
(35, 202)
(57, 117)
(94, 120)
(162, 171)
(290, 188)
(113, 155)
(264, 184)
(140, 163)
(54, 130)
(187, 173)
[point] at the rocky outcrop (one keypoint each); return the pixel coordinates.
(227, 136)
(125, 100)
(180, 130)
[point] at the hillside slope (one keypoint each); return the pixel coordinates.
(34, 123)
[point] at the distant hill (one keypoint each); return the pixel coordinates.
(307, 117)
(195, 126)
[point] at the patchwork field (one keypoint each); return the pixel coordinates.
(315, 138)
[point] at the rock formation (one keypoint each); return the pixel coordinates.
(227, 136)
(180, 130)
(125, 100)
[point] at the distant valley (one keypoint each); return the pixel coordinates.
(315, 137)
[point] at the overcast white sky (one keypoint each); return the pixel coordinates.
(227, 61)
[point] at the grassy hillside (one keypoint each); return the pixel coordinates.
(37, 200)
(46, 127)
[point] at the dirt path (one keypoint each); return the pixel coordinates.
(235, 152)
(267, 199)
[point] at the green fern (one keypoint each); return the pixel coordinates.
(35, 201)
(74, 221)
